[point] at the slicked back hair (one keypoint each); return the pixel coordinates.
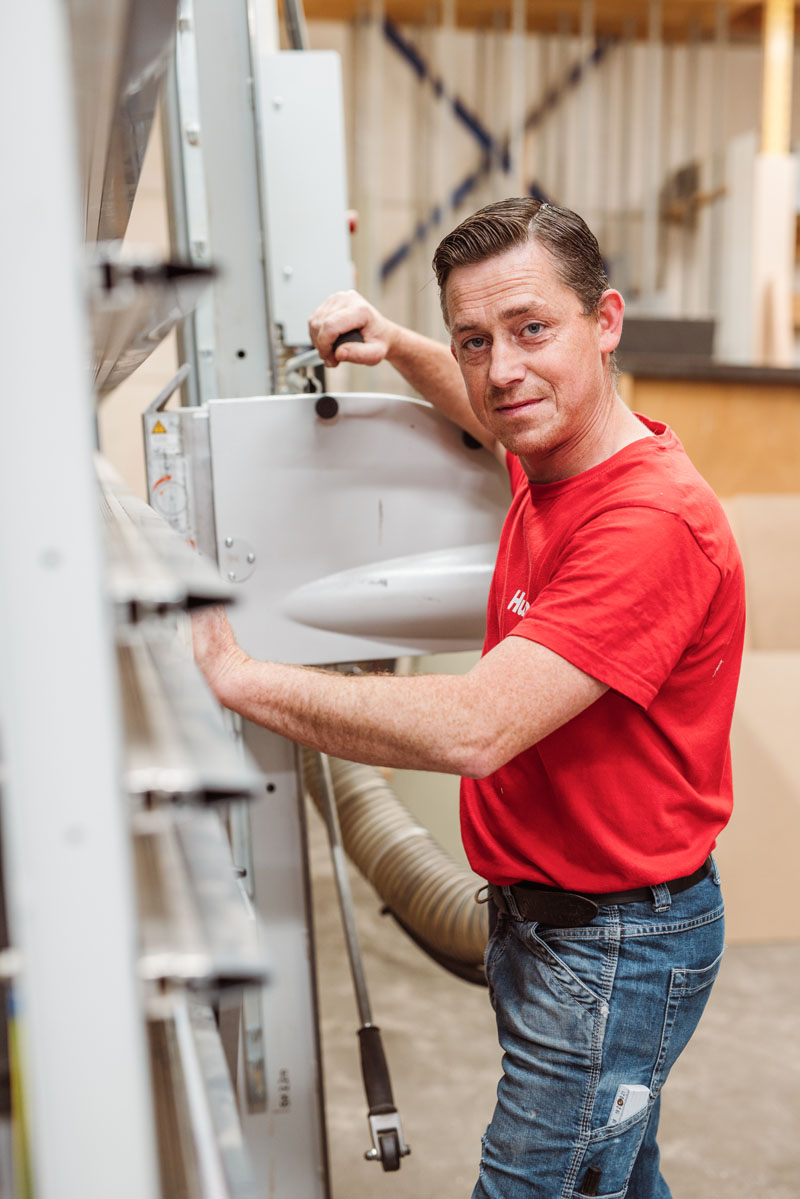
(508, 223)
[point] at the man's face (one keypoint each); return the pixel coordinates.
(532, 361)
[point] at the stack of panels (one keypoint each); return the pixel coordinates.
(200, 946)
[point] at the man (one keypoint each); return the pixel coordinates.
(592, 736)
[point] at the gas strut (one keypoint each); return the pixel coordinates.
(388, 1144)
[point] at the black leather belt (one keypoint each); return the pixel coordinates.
(568, 909)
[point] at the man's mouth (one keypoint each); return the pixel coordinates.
(517, 405)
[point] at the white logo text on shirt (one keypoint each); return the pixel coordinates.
(518, 604)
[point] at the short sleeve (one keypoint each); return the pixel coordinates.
(630, 594)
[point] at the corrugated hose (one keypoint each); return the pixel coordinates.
(430, 895)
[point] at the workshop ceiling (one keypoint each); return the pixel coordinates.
(680, 19)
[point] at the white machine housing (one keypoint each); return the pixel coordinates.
(371, 534)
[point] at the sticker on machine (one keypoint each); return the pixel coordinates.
(164, 436)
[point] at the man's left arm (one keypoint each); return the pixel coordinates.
(459, 724)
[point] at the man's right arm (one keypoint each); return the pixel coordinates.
(427, 365)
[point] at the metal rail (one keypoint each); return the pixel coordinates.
(176, 743)
(201, 1149)
(197, 924)
(150, 565)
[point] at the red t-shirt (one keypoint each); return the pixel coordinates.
(628, 570)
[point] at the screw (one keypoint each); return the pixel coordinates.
(251, 557)
(232, 576)
(229, 542)
(277, 102)
(288, 271)
(193, 135)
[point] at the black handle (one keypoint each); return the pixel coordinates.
(351, 335)
(377, 1084)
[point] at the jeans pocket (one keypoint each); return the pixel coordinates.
(610, 1157)
(687, 997)
(572, 969)
(494, 951)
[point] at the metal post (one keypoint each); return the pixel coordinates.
(286, 1139)
(367, 144)
(65, 822)
(187, 202)
(244, 357)
(262, 27)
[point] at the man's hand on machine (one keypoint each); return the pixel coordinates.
(215, 648)
(341, 313)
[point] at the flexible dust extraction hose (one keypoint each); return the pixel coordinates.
(430, 895)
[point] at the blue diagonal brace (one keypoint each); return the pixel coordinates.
(492, 149)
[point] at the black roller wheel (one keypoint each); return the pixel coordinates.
(390, 1150)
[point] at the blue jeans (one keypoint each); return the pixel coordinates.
(584, 1014)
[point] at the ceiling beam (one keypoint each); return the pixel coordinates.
(548, 16)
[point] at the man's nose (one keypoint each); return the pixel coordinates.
(506, 364)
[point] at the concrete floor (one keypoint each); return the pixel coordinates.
(731, 1107)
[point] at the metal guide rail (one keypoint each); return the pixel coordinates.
(201, 1149)
(176, 742)
(150, 565)
(133, 305)
(196, 921)
(120, 52)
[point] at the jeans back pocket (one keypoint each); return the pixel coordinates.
(687, 997)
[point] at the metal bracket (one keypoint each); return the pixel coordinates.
(388, 1143)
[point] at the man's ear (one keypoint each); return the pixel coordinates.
(453, 349)
(609, 318)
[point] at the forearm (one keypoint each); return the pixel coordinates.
(406, 722)
(467, 724)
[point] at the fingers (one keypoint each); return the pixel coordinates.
(340, 313)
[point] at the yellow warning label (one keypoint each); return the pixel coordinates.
(158, 427)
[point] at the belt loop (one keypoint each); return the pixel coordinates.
(662, 897)
(513, 910)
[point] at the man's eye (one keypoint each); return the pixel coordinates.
(474, 343)
(534, 328)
